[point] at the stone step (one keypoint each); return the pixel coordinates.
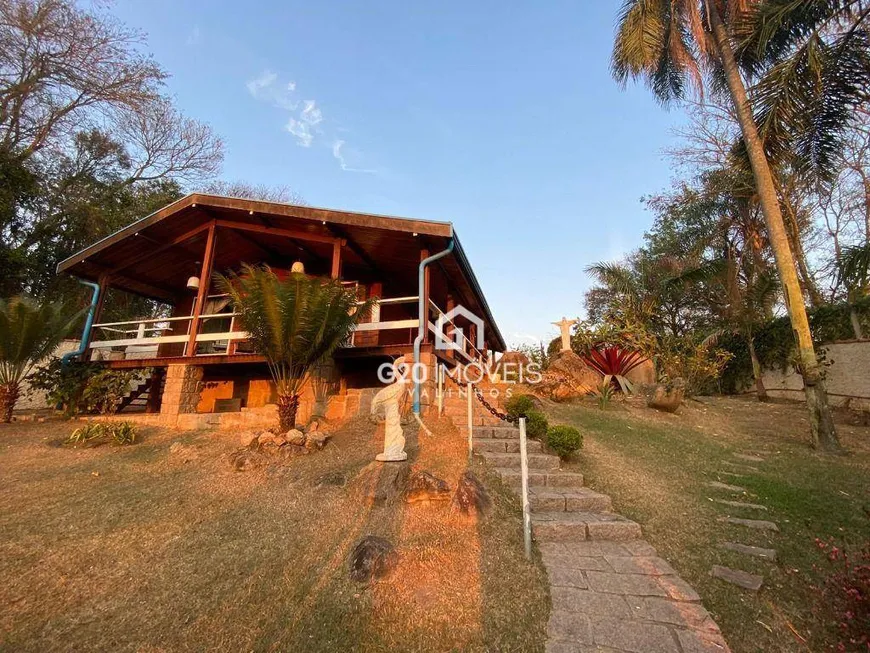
(548, 499)
(757, 551)
(758, 524)
(505, 446)
(538, 478)
(577, 526)
(536, 460)
(738, 577)
(492, 431)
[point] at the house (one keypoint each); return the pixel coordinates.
(196, 362)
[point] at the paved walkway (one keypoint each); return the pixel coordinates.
(610, 590)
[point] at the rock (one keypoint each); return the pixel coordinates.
(664, 398)
(267, 437)
(508, 366)
(294, 437)
(423, 486)
(471, 497)
(316, 440)
(383, 483)
(581, 376)
(185, 452)
(737, 577)
(643, 374)
(757, 551)
(372, 558)
(314, 425)
(247, 459)
(249, 438)
(757, 524)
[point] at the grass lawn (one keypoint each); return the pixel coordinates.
(137, 548)
(656, 468)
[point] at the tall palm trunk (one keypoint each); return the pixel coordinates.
(822, 429)
(757, 373)
(288, 405)
(8, 397)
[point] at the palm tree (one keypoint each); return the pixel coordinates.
(671, 44)
(854, 265)
(29, 333)
(296, 323)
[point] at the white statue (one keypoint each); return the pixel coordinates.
(565, 328)
(390, 397)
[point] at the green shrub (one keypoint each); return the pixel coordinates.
(536, 425)
(519, 406)
(82, 387)
(96, 434)
(564, 440)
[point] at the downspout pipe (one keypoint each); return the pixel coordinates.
(423, 312)
(89, 323)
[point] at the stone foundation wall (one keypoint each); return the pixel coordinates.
(181, 390)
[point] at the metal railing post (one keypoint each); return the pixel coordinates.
(470, 422)
(524, 474)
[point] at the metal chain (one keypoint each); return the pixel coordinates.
(492, 410)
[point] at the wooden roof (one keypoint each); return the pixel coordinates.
(154, 256)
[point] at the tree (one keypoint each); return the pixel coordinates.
(670, 44)
(296, 323)
(29, 333)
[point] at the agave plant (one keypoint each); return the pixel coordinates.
(29, 333)
(296, 323)
(614, 363)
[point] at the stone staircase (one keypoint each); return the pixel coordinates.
(563, 509)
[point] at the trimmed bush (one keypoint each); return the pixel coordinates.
(519, 405)
(536, 425)
(564, 440)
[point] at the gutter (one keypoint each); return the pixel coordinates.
(89, 323)
(423, 324)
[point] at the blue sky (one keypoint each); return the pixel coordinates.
(499, 117)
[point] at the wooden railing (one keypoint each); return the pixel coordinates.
(152, 332)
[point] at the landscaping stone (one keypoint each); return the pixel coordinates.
(567, 577)
(569, 626)
(614, 583)
(316, 440)
(246, 459)
(384, 483)
(737, 577)
(373, 558)
(664, 398)
(295, 437)
(248, 438)
(650, 566)
(741, 504)
(758, 524)
(572, 599)
(423, 486)
(757, 551)
(726, 487)
(677, 588)
(471, 496)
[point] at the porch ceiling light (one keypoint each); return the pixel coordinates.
(298, 267)
(193, 283)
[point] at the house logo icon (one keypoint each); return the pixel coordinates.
(455, 341)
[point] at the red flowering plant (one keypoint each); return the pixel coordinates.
(847, 590)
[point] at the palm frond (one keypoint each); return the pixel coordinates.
(29, 333)
(296, 323)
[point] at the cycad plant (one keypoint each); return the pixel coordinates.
(29, 333)
(296, 323)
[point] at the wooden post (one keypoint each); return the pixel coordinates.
(204, 282)
(451, 304)
(155, 391)
(524, 475)
(424, 254)
(336, 259)
(103, 282)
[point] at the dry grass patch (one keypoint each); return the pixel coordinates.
(137, 548)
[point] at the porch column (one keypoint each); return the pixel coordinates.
(336, 258)
(204, 282)
(103, 281)
(451, 304)
(424, 291)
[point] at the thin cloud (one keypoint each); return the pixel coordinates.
(348, 159)
(306, 121)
